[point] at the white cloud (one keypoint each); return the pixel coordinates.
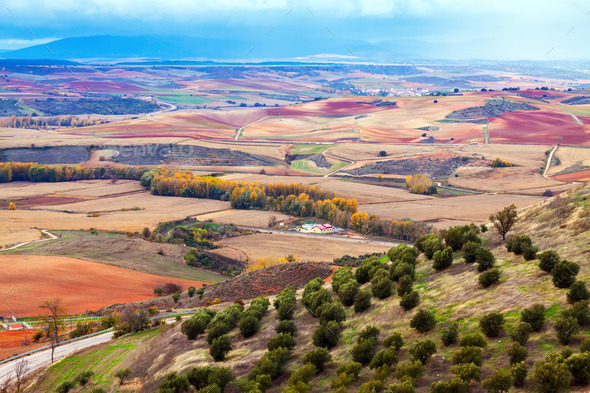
(13, 43)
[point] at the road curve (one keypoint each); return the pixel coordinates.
(43, 358)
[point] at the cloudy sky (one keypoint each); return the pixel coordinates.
(460, 29)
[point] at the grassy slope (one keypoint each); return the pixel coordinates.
(452, 294)
(118, 250)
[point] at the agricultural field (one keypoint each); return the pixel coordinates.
(82, 285)
(118, 250)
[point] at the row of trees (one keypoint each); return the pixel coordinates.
(32, 171)
(38, 123)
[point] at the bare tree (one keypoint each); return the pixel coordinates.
(6, 382)
(53, 321)
(20, 370)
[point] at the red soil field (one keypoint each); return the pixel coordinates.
(102, 87)
(537, 127)
(575, 176)
(29, 280)
(14, 338)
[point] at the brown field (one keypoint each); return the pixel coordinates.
(315, 249)
(28, 280)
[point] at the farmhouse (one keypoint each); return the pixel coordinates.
(324, 228)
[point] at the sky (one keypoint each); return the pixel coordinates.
(454, 29)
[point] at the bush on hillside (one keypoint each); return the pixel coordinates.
(249, 325)
(534, 316)
(286, 326)
(566, 327)
(548, 259)
(466, 355)
(473, 340)
(492, 324)
(409, 300)
(517, 353)
(364, 350)
(282, 340)
(578, 291)
(470, 251)
(564, 273)
(455, 385)
(220, 347)
(552, 374)
(383, 357)
(362, 301)
(500, 381)
(424, 321)
(443, 259)
(489, 277)
(394, 340)
(466, 372)
(521, 333)
(519, 372)
(318, 357)
(423, 350)
(450, 334)
(485, 259)
(347, 292)
(327, 335)
(404, 285)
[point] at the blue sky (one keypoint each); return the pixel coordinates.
(461, 29)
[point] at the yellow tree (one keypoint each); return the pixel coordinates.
(11, 206)
(358, 220)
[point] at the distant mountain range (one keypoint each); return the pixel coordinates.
(184, 48)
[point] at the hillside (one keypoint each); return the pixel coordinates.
(451, 294)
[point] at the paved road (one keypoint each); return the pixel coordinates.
(43, 358)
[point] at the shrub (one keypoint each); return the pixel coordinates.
(369, 332)
(314, 300)
(84, 377)
(500, 381)
(373, 386)
(383, 357)
(65, 387)
(191, 291)
(193, 326)
(318, 357)
(579, 366)
(283, 340)
(368, 267)
(443, 259)
(470, 251)
(286, 326)
(362, 301)
(519, 372)
(450, 334)
(394, 341)
(521, 332)
(423, 321)
(364, 350)
(564, 273)
(529, 253)
(348, 292)
(456, 237)
(341, 276)
(473, 340)
(455, 385)
(548, 259)
(534, 316)
(249, 325)
(423, 350)
(38, 335)
(176, 297)
(420, 243)
(432, 245)
(404, 285)
(402, 387)
(517, 244)
(331, 312)
(303, 375)
(412, 370)
(466, 372)
(382, 288)
(581, 311)
(566, 327)
(489, 277)
(585, 346)
(552, 374)
(517, 353)
(468, 355)
(492, 324)
(327, 335)
(220, 347)
(271, 363)
(409, 300)
(174, 383)
(578, 291)
(485, 259)
(122, 374)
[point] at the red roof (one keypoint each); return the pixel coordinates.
(16, 326)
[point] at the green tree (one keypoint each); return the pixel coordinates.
(521, 333)
(191, 291)
(492, 324)
(220, 347)
(517, 353)
(519, 372)
(423, 350)
(249, 325)
(283, 340)
(450, 334)
(409, 300)
(318, 357)
(394, 341)
(548, 259)
(534, 316)
(489, 277)
(504, 220)
(467, 371)
(579, 366)
(564, 273)
(466, 355)
(174, 383)
(552, 374)
(362, 301)
(500, 381)
(443, 259)
(485, 259)
(578, 291)
(347, 292)
(566, 327)
(122, 374)
(423, 321)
